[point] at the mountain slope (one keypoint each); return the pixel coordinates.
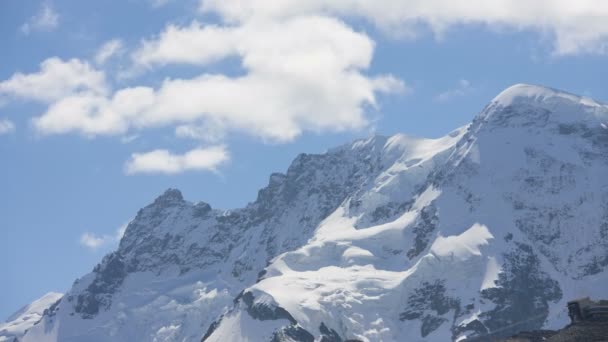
(19, 322)
(499, 235)
(483, 232)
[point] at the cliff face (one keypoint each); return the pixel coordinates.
(485, 231)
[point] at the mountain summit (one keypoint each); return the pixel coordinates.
(483, 233)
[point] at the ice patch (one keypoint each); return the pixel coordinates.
(491, 275)
(356, 253)
(428, 196)
(464, 245)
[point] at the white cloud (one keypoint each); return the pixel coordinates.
(464, 87)
(163, 161)
(6, 126)
(56, 80)
(304, 74)
(108, 50)
(93, 241)
(194, 44)
(304, 69)
(92, 114)
(47, 19)
(578, 26)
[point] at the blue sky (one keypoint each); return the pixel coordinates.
(105, 105)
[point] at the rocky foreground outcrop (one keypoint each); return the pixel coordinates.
(576, 332)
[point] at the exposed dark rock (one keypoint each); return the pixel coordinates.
(428, 303)
(261, 274)
(169, 197)
(52, 310)
(386, 212)
(292, 333)
(329, 335)
(596, 265)
(212, 328)
(109, 275)
(522, 115)
(522, 296)
(201, 210)
(423, 228)
(264, 312)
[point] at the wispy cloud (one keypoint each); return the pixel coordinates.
(159, 3)
(6, 126)
(108, 50)
(163, 161)
(208, 132)
(462, 89)
(47, 19)
(94, 242)
(127, 139)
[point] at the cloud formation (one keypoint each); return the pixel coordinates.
(304, 74)
(47, 19)
(163, 161)
(6, 126)
(304, 69)
(56, 80)
(93, 241)
(108, 50)
(577, 26)
(463, 88)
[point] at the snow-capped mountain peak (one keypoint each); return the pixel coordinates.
(539, 94)
(539, 105)
(481, 233)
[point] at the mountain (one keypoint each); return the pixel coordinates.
(19, 322)
(483, 233)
